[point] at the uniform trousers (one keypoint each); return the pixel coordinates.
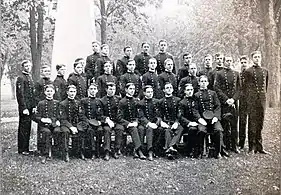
(24, 132)
(118, 129)
(148, 132)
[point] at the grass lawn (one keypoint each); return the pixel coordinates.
(241, 174)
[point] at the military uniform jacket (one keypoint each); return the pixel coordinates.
(39, 89)
(168, 107)
(122, 65)
(212, 76)
(91, 65)
(99, 66)
(182, 72)
(161, 57)
(81, 84)
(92, 108)
(47, 109)
(170, 77)
(102, 80)
(60, 87)
(25, 92)
(205, 71)
(142, 61)
(194, 80)
(187, 111)
(207, 100)
(127, 112)
(130, 77)
(110, 107)
(70, 112)
(151, 78)
(148, 111)
(227, 85)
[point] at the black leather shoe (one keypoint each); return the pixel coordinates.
(224, 153)
(236, 150)
(142, 157)
(115, 155)
(263, 152)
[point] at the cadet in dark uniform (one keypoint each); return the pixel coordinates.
(60, 83)
(188, 121)
(122, 63)
(105, 78)
(26, 105)
(41, 83)
(92, 111)
(168, 107)
(256, 82)
(208, 115)
(142, 59)
(243, 103)
(190, 78)
(162, 56)
(78, 79)
(70, 114)
(219, 65)
(110, 110)
(91, 61)
(151, 78)
(149, 119)
(130, 77)
(47, 116)
(168, 76)
(128, 117)
(227, 86)
(184, 70)
(208, 65)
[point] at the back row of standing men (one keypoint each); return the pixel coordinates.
(170, 102)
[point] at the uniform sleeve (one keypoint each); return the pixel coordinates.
(181, 87)
(120, 114)
(89, 69)
(99, 67)
(38, 113)
(237, 89)
(141, 116)
(217, 106)
(122, 84)
(20, 94)
(183, 121)
(196, 112)
(99, 83)
(221, 95)
(63, 116)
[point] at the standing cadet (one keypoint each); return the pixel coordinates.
(208, 65)
(91, 61)
(243, 103)
(212, 74)
(130, 77)
(26, 105)
(168, 76)
(60, 83)
(122, 63)
(227, 86)
(149, 119)
(91, 124)
(128, 117)
(78, 79)
(162, 56)
(184, 70)
(110, 110)
(151, 78)
(168, 107)
(256, 82)
(142, 59)
(105, 78)
(47, 116)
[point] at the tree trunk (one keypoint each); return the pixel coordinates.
(40, 33)
(103, 22)
(13, 87)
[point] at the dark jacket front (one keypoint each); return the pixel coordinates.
(187, 111)
(194, 80)
(127, 112)
(60, 87)
(47, 109)
(142, 61)
(39, 89)
(130, 77)
(168, 107)
(148, 111)
(121, 65)
(79, 80)
(110, 107)
(100, 64)
(102, 80)
(161, 57)
(91, 65)
(151, 78)
(170, 77)
(182, 72)
(92, 108)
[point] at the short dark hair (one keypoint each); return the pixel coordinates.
(71, 86)
(24, 62)
(96, 42)
(110, 84)
(104, 45)
(186, 54)
(219, 54)
(168, 83)
(45, 66)
(76, 62)
(255, 52)
(203, 76)
(208, 55)
(162, 40)
(59, 66)
(144, 44)
(130, 60)
(49, 86)
(146, 87)
(126, 48)
(129, 84)
(243, 57)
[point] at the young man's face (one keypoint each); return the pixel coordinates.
(188, 91)
(130, 90)
(96, 47)
(152, 64)
(219, 60)
(192, 69)
(145, 48)
(208, 61)
(79, 68)
(257, 59)
(228, 62)
(61, 71)
(27, 67)
(169, 66)
(163, 46)
(148, 93)
(128, 52)
(71, 93)
(244, 64)
(168, 89)
(93, 90)
(49, 93)
(111, 90)
(131, 66)
(203, 83)
(107, 68)
(46, 72)
(187, 59)
(105, 50)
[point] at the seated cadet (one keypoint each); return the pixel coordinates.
(208, 114)
(78, 79)
(105, 78)
(151, 78)
(130, 77)
(91, 124)
(168, 76)
(41, 83)
(188, 121)
(168, 107)
(149, 118)
(47, 116)
(70, 115)
(110, 110)
(60, 83)
(128, 117)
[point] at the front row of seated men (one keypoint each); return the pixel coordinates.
(162, 121)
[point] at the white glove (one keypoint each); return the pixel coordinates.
(74, 130)
(175, 125)
(135, 124)
(152, 125)
(164, 125)
(214, 120)
(202, 121)
(25, 111)
(58, 123)
(192, 124)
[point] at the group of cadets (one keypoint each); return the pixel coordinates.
(145, 98)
